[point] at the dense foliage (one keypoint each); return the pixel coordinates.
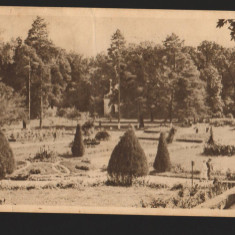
(167, 80)
(127, 160)
(78, 148)
(162, 161)
(219, 150)
(171, 135)
(7, 161)
(102, 135)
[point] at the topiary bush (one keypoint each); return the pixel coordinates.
(211, 138)
(7, 161)
(127, 160)
(162, 161)
(171, 135)
(78, 148)
(102, 135)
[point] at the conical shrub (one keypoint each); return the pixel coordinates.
(78, 148)
(127, 160)
(7, 161)
(171, 135)
(211, 138)
(162, 161)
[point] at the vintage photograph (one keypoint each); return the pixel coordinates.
(117, 111)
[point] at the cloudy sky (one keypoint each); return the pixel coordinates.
(88, 31)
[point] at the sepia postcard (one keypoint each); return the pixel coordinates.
(117, 111)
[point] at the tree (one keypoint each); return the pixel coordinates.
(38, 38)
(190, 94)
(171, 135)
(162, 161)
(175, 61)
(214, 89)
(78, 148)
(7, 161)
(11, 105)
(127, 160)
(115, 52)
(231, 26)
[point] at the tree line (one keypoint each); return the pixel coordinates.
(151, 80)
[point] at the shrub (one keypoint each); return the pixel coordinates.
(219, 150)
(222, 122)
(35, 171)
(171, 135)
(70, 113)
(87, 126)
(229, 115)
(78, 148)
(23, 176)
(102, 135)
(162, 161)
(86, 161)
(7, 161)
(217, 115)
(44, 155)
(211, 138)
(127, 160)
(83, 168)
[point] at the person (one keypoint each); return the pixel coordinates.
(54, 135)
(209, 168)
(204, 171)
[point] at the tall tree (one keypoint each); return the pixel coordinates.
(214, 89)
(175, 61)
(11, 108)
(38, 39)
(116, 55)
(190, 93)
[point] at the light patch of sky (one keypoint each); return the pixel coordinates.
(90, 34)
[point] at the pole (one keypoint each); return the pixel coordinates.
(29, 91)
(192, 172)
(119, 97)
(41, 102)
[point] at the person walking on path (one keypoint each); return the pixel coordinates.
(209, 168)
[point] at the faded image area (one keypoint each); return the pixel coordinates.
(131, 111)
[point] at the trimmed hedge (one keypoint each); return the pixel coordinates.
(219, 150)
(78, 148)
(127, 160)
(162, 161)
(102, 135)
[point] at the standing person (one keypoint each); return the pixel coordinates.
(204, 171)
(54, 135)
(209, 168)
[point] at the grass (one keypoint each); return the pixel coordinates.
(96, 159)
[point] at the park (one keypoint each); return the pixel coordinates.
(146, 125)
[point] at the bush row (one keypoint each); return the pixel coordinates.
(219, 150)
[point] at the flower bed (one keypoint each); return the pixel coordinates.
(187, 197)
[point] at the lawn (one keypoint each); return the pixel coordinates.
(89, 175)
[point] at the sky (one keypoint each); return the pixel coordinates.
(88, 31)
